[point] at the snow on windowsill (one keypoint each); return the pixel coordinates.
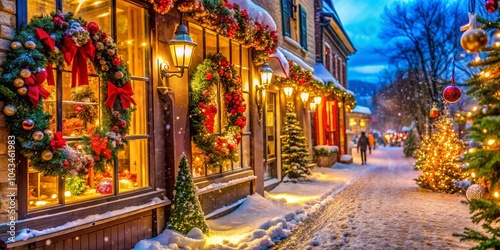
(295, 44)
(296, 59)
(225, 208)
(221, 185)
(91, 220)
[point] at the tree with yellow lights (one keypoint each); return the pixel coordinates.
(438, 158)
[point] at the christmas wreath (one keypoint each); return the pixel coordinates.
(216, 72)
(53, 41)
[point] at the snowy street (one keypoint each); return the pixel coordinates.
(385, 209)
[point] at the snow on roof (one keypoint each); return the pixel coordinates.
(362, 110)
(296, 59)
(350, 92)
(321, 72)
(278, 63)
(256, 13)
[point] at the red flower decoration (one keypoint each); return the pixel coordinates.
(58, 142)
(116, 61)
(209, 76)
(93, 27)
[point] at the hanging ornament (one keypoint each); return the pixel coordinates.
(474, 39)
(491, 5)
(15, 45)
(18, 82)
(111, 52)
(475, 191)
(37, 135)
(49, 133)
(434, 111)
(25, 73)
(452, 93)
(47, 155)
(30, 45)
(78, 108)
(28, 124)
(9, 110)
(119, 75)
(122, 123)
(105, 186)
(22, 91)
(484, 110)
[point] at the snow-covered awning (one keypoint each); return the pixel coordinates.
(279, 64)
(350, 92)
(296, 59)
(322, 73)
(362, 110)
(256, 13)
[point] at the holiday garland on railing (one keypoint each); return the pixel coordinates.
(216, 72)
(303, 81)
(29, 63)
(228, 20)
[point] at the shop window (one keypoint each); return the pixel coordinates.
(239, 57)
(352, 122)
(81, 109)
(328, 58)
(362, 123)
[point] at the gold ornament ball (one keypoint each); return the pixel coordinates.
(9, 110)
(99, 45)
(47, 155)
(48, 133)
(111, 52)
(16, 45)
(22, 91)
(102, 62)
(37, 135)
(108, 41)
(18, 82)
(105, 67)
(119, 75)
(56, 50)
(473, 40)
(28, 124)
(25, 73)
(30, 45)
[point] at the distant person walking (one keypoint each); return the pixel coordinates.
(371, 140)
(363, 143)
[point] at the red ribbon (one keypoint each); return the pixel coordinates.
(124, 93)
(79, 57)
(46, 39)
(100, 146)
(35, 88)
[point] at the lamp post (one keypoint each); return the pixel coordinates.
(266, 74)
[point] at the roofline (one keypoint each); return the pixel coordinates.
(338, 28)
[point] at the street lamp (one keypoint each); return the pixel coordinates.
(304, 96)
(266, 74)
(288, 91)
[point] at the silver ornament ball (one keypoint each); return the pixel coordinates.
(475, 191)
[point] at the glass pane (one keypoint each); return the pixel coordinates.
(236, 54)
(245, 57)
(91, 186)
(270, 126)
(227, 166)
(42, 190)
(246, 96)
(133, 166)
(245, 143)
(245, 80)
(132, 23)
(237, 164)
(91, 10)
(138, 121)
(80, 107)
(196, 34)
(198, 166)
(220, 110)
(210, 42)
(39, 7)
(224, 47)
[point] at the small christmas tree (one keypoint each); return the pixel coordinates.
(186, 208)
(410, 144)
(294, 149)
(438, 158)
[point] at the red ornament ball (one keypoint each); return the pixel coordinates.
(434, 112)
(105, 186)
(491, 5)
(93, 27)
(452, 94)
(115, 128)
(122, 123)
(78, 108)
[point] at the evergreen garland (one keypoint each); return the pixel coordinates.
(186, 208)
(89, 113)
(76, 185)
(410, 144)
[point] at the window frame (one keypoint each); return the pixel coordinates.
(302, 27)
(23, 171)
(327, 57)
(233, 169)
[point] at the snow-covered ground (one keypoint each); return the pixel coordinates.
(259, 221)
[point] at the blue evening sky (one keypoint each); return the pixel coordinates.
(361, 20)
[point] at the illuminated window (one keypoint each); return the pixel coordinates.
(352, 122)
(362, 123)
(81, 111)
(328, 58)
(239, 57)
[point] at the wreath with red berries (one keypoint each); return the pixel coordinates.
(55, 41)
(218, 147)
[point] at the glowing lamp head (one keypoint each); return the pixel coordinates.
(491, 142)
(317, 100)
(181, 47)
(496, 194)
(266, 74)
(304, 96)
(288, 91)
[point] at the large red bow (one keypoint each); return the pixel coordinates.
(35, 88)
(58, 142)
(79, 57)
(100, 146)
(46, 39)
(125, 93)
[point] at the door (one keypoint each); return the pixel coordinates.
(270, 137)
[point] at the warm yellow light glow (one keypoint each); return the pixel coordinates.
(288, 91)
(485, 131)
(473, 175)
(474, 108)
(312, 106)
(469, 114)
(487, 74)
(472, 150)
(495, 194)
(478, 58)
(40, 203)
(491, 142)
(304, 96)
(340, 104)
(67, 193)
(317, 100)
(144, 44)
(53, 196)
(266, 74)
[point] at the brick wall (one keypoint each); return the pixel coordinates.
(7, 24)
